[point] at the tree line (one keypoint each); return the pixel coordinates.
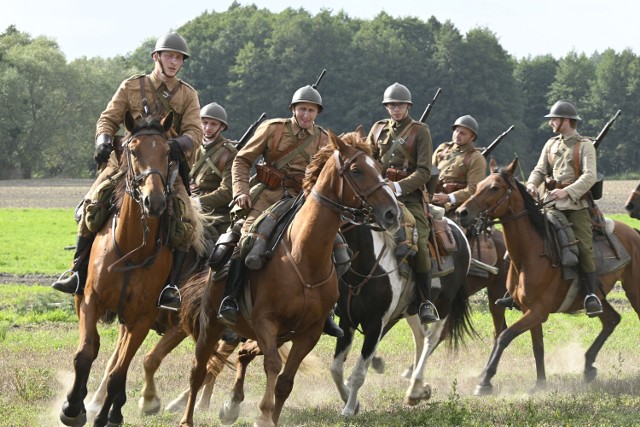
(251, 60)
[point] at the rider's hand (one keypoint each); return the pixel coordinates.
(532, 190)
(175, 150)
(102, 153)
(244, 201)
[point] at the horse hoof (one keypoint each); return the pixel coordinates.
(348, 412)
(77, 421)
(175, 406)
(229, 413)
(483, 390)
(149, 406)
(418, 396)
(590, 374)
(111, 424)
(377, 363)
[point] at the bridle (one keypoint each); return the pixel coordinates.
(360, 215)
(485, 214)
(133, 181)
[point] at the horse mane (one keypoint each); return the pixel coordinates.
(532, 208)
(324, 153)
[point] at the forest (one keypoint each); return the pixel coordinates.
(251, 60)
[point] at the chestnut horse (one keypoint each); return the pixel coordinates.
(291, 296)
(538, 287)
(128, 267)
(633, 203)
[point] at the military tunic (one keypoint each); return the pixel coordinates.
(211, 180)
(463, 165)
(418, 167)
(557, 161)
(264, 143)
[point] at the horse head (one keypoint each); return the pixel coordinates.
(146, 162)
(632, 204)
(366, 197)
(492, 197)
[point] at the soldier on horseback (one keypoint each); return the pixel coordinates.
(287, 146)
(154, 94)
(403, 146)
(567, 165)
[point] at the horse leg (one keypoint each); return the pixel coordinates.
(537, 342)
(419, 335)
(343, 346)
(231, 409)
(418, 390)
(272, 366)
(132, 338)
(150, 403)
(529, 320)
(73, 412)
(210, 332)
(609, 319)
(300, 347)
(97, 401)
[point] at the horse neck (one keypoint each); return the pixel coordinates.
(129, 232)
(313, 231)
(521, 239)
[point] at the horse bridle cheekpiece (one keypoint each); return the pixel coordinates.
(133, 181)
(361, 215)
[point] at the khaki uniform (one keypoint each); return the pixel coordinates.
(265, 142)
(417, 165)
(211, 181)
(183, 101)
(557, 161)
(461, 169)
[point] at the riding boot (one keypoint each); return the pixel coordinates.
(331, 328)
(427, 311)
(74, 284)
(591, 302)
(228, 311)
(169, 298)
(506, 301)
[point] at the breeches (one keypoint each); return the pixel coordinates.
(422, 258)
(581, 225)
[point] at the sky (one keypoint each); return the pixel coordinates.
(523, 27)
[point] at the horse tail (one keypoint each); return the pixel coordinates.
(458, 323)
(310, 365)
(192, 293)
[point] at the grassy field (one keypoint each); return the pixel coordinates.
(38, 336)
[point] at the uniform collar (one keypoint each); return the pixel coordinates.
(213, 144)
(171, 83)
(400, 124)
(299, 132)
(571, 137)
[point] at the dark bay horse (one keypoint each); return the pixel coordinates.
(128, 266)
(633, 203)
(537, 286)
(290, 298)
(374, 297)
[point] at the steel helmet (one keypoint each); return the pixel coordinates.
(564, 109)
(307, 94)
(215, 111)
(467, 122)
(172, 42)
(397, 93)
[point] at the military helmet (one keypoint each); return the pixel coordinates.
(172, 42)
(564, 109)
(307, 94)
(215, 111)
(467, 122)
(397, 93)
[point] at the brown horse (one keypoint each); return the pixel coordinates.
(129, 265)
(633, 203)
(538, 286)
(290, 298)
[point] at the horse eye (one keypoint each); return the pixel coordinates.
(356, 170)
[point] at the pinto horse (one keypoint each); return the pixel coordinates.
(537, 286)
(632, 204)
(374, 297)
(291, 296)
(128, 267)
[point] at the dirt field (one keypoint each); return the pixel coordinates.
(66, 193)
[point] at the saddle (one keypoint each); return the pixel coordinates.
(484, 254)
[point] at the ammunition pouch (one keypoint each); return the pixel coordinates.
(393, 174)
(273, 178)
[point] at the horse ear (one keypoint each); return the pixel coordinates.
(129, 122)
(360, 131)
(335, 141)
(167, 121)
(511, 169)
(493, 166)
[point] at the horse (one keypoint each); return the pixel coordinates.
(538, 287)
(374, 296)
(342, 181)
(632, 205)
(130, 262)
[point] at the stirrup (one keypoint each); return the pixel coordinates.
(595, 312)
(222, 316)
(435, 312)
(169, 307)
(506, 301)
(62, 277)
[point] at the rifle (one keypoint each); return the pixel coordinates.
(315, 85)
(427, 110)
(249, 132)
(605, 129)
(496, 141)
